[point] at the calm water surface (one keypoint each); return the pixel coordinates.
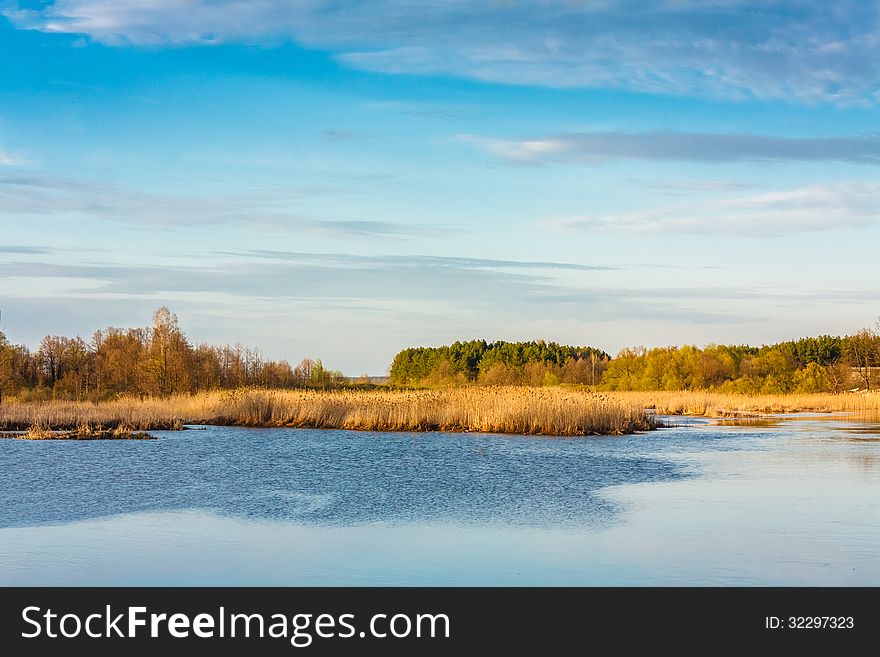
(790, 502)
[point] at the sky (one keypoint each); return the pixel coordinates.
(341, 180)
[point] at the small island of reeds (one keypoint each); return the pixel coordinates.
(40, 431)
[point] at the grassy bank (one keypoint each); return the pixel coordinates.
(546, 411)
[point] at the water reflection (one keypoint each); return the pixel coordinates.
(761, 422)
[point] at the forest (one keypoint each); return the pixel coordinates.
(499, 363)
(157, 360)
(807, 365)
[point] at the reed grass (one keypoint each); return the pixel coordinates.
(82, 432)
(517, 410)
(714, 404)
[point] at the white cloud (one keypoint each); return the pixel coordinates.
(815, 208)
(789, 49)
(163, 22)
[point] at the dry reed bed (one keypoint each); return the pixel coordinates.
(82, 432)
(548, 411)
(545, 411)
(715, 404)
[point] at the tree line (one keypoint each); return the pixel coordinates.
(155, 360)
(814, 364)
(499, 363)
(160, 360)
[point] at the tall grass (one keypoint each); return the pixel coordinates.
(547, 411)
(715, 404)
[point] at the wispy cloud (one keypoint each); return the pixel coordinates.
(592, 148)
(274, 208)
(814, 208)
(8, 160)
(294, 276)
(302, 303)
(691, 186)
(341, 135)
(24, 250)
(789, 49)
(444, 112)
(504, 288)
(421, 261)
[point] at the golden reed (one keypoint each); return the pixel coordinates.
(557, 411)
(716, 404)
(518, 410)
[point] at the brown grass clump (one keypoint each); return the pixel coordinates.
(37, 432)
(82, 432)
(545, 411)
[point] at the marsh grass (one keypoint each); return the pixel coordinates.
(517, 410)
(714, 404)
(82, 432)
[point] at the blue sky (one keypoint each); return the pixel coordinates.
(343, 179)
